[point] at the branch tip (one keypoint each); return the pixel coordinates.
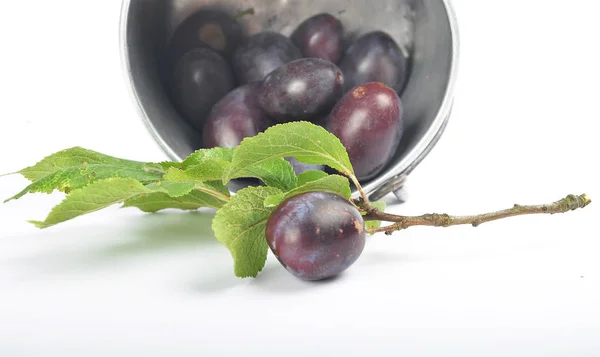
(569, 203)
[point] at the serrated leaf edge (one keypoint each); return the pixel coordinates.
(347, 170)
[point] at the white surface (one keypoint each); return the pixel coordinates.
(121, 283)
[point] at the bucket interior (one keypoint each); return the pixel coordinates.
(421, 27)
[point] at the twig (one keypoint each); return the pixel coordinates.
(218, 195)
(363, 195)
(569, 203)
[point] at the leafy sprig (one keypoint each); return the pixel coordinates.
(93, 181)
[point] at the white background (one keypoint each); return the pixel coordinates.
(121, 283)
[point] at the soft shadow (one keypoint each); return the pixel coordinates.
(148, 234)
(274, 278)
(163, 231)
(218, 280)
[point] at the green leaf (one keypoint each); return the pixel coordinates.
(94, 197)
(203, 165)
(380, 205)
(209, 170)
(277, 173)
(77, 167)
(77, 157)
(72, 178)
(240, 226)
(161, 167)
(310, 175)
(307, 142)
(204, 194)
(157, 201)
(214, 164)
(104, 193)
(179, 188)
(172, 189)
(213, 188)
(332, 183)
(203, 155)
(275, 200)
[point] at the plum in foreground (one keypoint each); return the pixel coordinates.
(316, 235)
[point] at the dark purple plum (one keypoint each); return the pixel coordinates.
(316, 235)
(215, 29)
(300, 167)
(200, 79)
(301, 89)
(320, 36)
(374, 57)
(262, 53)
(235, 117)
(368, 122)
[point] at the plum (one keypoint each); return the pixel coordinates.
(320, 36)
(200, 79)
(368, 120)
(235, 117)
(374, 57)
(215, 29)
(316, 235)
(301, 89)
(262, 53)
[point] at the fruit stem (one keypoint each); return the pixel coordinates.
(221, 196)
(363, 195)
(569, 203)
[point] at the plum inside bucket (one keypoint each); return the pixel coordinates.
(425, 32)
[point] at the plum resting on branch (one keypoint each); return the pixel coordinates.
(308, 220)
(316, 235)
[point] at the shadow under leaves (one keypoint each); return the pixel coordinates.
(158, 233)
(163, 231)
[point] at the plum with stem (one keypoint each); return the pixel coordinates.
(316, 235)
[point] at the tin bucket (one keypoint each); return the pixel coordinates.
(426, 29)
